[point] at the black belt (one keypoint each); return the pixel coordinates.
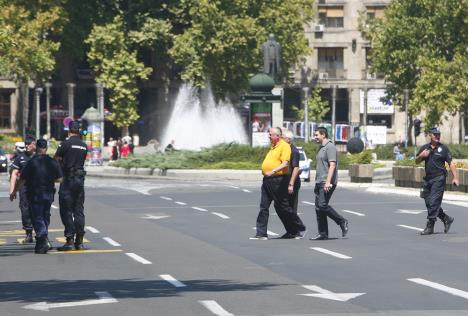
(274, 177)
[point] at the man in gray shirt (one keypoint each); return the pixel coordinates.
(325, 183)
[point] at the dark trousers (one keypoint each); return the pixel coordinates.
(40, 203)
(275, 189)
(71, 199)
(294, 202)
(323, 210)
(434, 193)
(24, 208)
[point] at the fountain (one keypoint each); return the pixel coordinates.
(198, 122)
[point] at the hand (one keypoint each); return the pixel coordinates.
(269, 174)
(327, 187)
(456, 182)
(425, 153)
(12, 196)
(290, 189)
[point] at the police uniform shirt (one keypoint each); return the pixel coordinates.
(73, 152)
(41, 172)
(434, 164)
(20, 161)
(295, 157)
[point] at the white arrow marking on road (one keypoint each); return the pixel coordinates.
(92, 229)
(331, 253)
(441, 287)
(169, 278)
(410, 211)
(220, 215)
(136, 257)
(411, 227)
(54, 206)
(180, 203)
(342, 297)
(269, 232)
(111, 241)
(215, 308)
(104, 298)
(307, 202)
(247, 191)
(166, 198)
(199, 209)
(355, 213)
(149, 216)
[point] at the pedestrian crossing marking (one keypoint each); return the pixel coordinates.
(2, 242)
(64, 240)
(86, 251)
(21, 231)
(20, 241)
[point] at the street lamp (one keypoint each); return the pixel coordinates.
(48, 85)
(334, 88)
(306, 113)
(100, 106)
(37, 97)
(71, 103)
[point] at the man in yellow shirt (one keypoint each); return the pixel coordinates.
(275, 188)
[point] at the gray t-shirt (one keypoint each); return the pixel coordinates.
(325, 154)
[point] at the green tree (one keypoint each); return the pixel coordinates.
(317, 107)
(418, 45)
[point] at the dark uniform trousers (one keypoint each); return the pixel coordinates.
(24, 207)
(71, 200)
(294, 202)
(40, 202)
(433, 195)
(275, 189)
(322, 209)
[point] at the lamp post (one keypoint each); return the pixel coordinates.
(37, 97)
(306, 114)
(334, 88)
(48, 85)
(406, 93)
(100, 106)
(71, 103)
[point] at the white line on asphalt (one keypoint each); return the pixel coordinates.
(232, 186)
(247, 191)
(4, 194)
(355, 213)
(7, 222)
(411, 227)
(104, 298)
(331, 253)
(180, 203)
(220, 215)
(441, 287)
(138, 258)
(169, 278)
(215, 308)
(166, 198)
(150, 216)
(111, 241)
(307, 202)
(199, 209)
(92, 229)
(410, 211)
(269, 232)
(54, 206)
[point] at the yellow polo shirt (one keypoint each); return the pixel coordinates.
(277, 154)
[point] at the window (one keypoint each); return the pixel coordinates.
(374, 13)
(330, 58)
(382, 120)
(5, 114)
(331, 16)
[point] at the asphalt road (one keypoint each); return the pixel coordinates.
(181, 248)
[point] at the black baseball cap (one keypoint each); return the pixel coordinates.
(41, 143)
(29, 139)
(74, 126)
(434, 130)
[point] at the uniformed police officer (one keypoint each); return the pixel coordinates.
(72, 155)
(435, 155)
(16, 167)
(39, 177)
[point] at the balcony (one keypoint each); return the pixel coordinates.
(331, 74)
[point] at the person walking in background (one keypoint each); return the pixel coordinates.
(325, 185)
(125, 150)
(435, 155)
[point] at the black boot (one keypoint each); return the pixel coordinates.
(29, 238)
(447, 223)
(79, 242)
(68, 245)
(42, 245)
(429, 228)
(344, 228)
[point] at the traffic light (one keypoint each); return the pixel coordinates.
(417, 127)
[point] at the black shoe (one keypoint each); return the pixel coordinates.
(288, 236)
(447, 223)
(49, 244)
(68, 246)
(42, 246)
(29, 238)
(429, 230)
(259, 237)
(344, 228)
(319, 237)
(79, 242)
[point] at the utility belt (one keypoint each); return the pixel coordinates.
(74, 173)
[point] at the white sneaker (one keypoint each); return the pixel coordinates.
(259, 237)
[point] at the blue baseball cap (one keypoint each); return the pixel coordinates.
(41, 143)
(434, 130)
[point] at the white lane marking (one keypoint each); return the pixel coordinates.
(329, 295)
(220, 215)
(458, 203)
(269, 232)
(8, 222)
(232, 186)
(180, 203)
(199, 209)
(149, 216)
(4, 194)
(92, 229)
(111, 241)
(215, 308)
(247, 191)
(104, 298)
(355, 213)
(166, 198)
(54, 206)
(411, 227)
(440, 287)
(307, 202)
(331, 253)
(410, 211)
(138, 258)
(169, 278)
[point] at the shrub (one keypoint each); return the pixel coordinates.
(364, 157)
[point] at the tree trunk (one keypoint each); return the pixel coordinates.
(23, 106)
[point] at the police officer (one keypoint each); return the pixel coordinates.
(72, 155)
(39, 177)
(435, 155)
(16, 167)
